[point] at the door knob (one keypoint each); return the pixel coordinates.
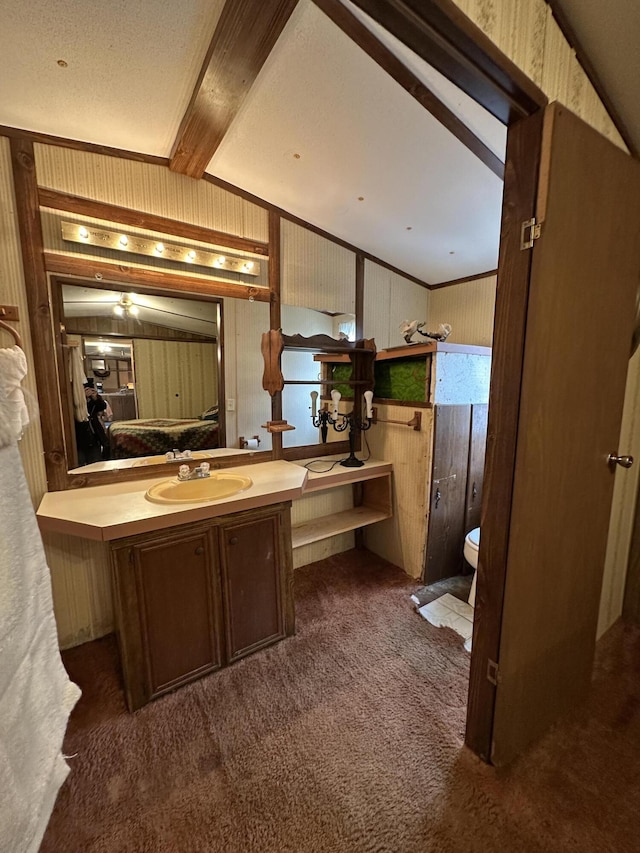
(233, 540)
(624, 461)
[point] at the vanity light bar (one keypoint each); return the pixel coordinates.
(157, 249)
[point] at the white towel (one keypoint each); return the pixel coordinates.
(36, 696)
(13, 409)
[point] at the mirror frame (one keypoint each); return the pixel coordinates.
(39, 265)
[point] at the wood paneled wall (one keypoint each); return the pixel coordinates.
(388, 300)
(528, 34)
(401, 539)
(154, 189)
(13, 292)
(468, 308)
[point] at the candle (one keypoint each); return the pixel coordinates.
(368, 401)
(314, 400)
(335, 396)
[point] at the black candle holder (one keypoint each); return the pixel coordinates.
(322, 420)
(352, 421)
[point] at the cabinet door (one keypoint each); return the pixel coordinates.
(168, 603)
(445, 534)
(475, 475)
(256, 580)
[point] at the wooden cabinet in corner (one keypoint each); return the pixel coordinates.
(192, 599)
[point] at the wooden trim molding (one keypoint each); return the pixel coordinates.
(464, 280)
(359, 303)
(439, 32)
(275, 318)
(78, 145)
(389, 62)
(139, 219)
(246, 33)
(104, 271)
(32, 245)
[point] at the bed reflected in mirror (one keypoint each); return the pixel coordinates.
(142, 376)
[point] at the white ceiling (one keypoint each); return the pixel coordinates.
(374, 168)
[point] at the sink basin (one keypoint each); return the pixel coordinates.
(211, 488)
(158, 460)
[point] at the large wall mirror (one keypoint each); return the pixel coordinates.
(142, 376)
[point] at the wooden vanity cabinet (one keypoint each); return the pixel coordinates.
(257, 581)
(191, 599)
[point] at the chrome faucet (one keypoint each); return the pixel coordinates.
(197, 473)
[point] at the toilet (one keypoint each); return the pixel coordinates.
(471, 545)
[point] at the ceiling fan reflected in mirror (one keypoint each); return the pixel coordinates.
(126, 307)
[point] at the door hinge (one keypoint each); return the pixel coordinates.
(529, 231)
(493, 672)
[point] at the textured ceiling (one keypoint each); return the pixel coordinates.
(324, 133)
(129, 74)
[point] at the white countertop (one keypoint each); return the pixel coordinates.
(320, 478)
(116, 510)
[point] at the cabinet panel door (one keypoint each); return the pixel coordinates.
(253, 583)
(177, 588)
(475, 476)
(445, 536)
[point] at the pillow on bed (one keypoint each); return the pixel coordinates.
(211, 414)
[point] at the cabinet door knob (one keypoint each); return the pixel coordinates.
(233, 540)
(199, 550)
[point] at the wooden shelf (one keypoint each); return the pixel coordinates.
(372, 483)
(331, 525)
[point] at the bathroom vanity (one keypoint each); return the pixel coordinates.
(191, 599)
(198, 586)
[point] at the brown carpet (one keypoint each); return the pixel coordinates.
(346, 738)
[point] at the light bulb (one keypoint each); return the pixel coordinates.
(314, 401)
(124, 240)
(159, 248)
(191, 255)
(82, 231)
(134, 310)
(368, 401)
(220, 260)
(118, 309)
(335, 396)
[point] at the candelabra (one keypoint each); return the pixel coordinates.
(352, 421)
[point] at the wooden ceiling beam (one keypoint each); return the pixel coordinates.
(389, 62)
(246, 33)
